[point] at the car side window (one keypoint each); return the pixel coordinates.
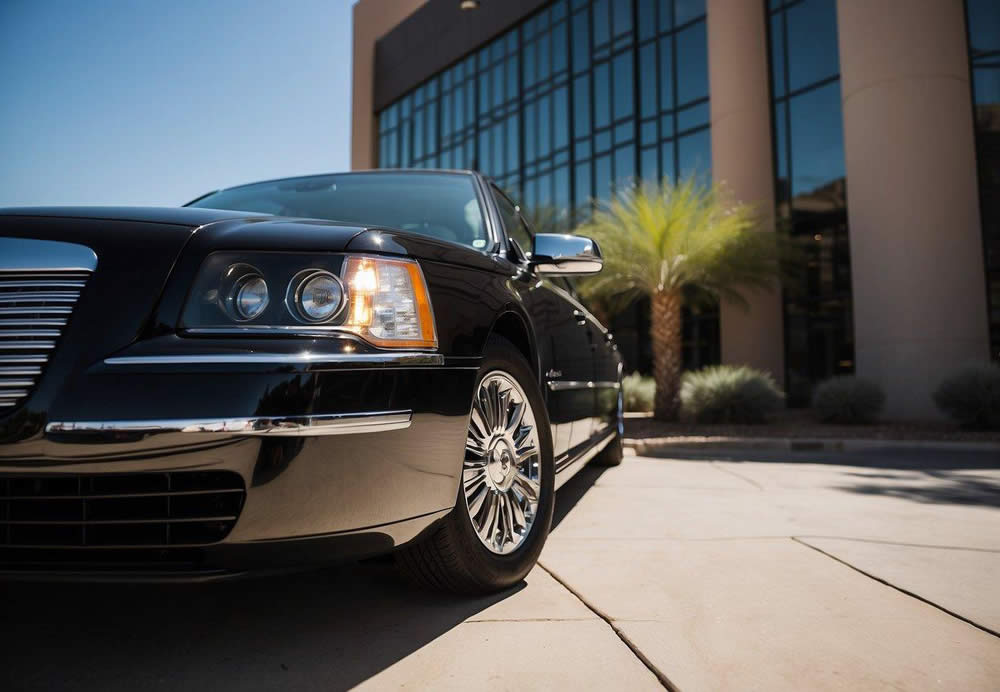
(517, 231)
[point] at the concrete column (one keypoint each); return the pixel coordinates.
(912, 199)
(372, 20)
(742, 161)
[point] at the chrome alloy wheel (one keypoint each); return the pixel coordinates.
(502, 471)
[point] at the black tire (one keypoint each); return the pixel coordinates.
(614, 452)
(452, 557)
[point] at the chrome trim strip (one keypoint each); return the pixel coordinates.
(401, 358)
(17, 254)
(563, 385)
(286, 426)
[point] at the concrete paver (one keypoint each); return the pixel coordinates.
(703, 575)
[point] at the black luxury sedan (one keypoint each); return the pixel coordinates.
(294, 372)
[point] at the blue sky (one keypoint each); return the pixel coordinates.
(158, 101)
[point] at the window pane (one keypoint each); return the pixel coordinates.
(583, 192)
(647, 80)
(544, 126)
(602, 177)
(647, 165)
(984, 25)
(623, 85)
(647, 18)
(812, 42)
(778, 55)
(581, 41)
(561, 118)
(694, 153)
(686, 10)
(666, 15)
(559, 56)
(624, 166)
(817, 140)
(666, 74)
(581, 106)
(602, 109)
(622, 16)
(601, 21)
(692, 64)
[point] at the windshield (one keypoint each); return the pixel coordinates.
(439, 205)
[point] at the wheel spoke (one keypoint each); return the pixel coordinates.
(508, 517)
(476, 498)
(489, 521)
(529, 487)
(515, 505)
(514, 421)
(503, 403)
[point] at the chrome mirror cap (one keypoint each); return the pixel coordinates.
(561, 253)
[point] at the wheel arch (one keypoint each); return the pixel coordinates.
(513, 326)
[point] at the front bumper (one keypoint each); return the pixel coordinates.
(339, 457)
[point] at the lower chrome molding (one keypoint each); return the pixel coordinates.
(288, 426)
(564, 385)
(306, 358)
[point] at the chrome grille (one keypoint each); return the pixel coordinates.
(35, 306)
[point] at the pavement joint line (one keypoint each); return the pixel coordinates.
(904, 545)
(715, 464)
(900, 589)
(644, 446)
(636, 651)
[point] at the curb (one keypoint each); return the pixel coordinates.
(801, 444)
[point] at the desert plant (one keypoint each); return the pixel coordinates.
(671, 242)
(639, 392)
(971, 396)
(729, 394)
(848, 399)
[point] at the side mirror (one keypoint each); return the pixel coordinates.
(559, 253)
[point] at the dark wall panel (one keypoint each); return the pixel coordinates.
(436, 35)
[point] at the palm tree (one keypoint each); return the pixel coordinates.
(675, 243)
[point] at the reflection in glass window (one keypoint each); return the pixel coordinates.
(984, 48)
(811, 192)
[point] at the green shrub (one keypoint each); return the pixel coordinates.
(848, 399)
(729, 394)
(639, 392)
(971, 396)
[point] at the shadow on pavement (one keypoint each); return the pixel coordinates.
(920, 475)
(328, 629)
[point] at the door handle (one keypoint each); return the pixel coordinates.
(580, 317)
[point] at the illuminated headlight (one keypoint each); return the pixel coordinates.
(388, 303)
(315, 295)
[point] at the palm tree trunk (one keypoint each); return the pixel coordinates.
(666, 333)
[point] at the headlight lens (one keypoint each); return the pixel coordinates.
(250, 297)
(389, 304)
(317, 295)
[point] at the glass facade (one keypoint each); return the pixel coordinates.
(581, 97)
(811, 191)
(984, 53)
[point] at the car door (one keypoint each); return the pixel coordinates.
(563, 341)
(607, 380)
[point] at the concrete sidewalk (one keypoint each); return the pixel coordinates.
(722, 570)
(835, 572)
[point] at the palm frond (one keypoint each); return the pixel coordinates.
(686, 237)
